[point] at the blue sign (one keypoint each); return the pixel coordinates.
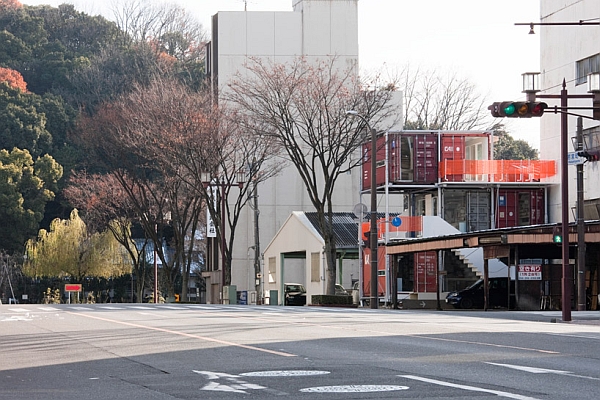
(574, 159)
(396, 221)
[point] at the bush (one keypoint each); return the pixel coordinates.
(331, 300)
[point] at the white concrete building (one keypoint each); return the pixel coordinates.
(569, 53)
(315, 29)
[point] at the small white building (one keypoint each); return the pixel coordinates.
(296, 254)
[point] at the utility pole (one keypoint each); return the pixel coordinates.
(257, 256)
(581, 248)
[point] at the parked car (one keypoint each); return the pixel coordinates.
(295, 294)
(339, 290)
(472, 296)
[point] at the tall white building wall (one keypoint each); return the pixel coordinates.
(561, 48)
(315, 29)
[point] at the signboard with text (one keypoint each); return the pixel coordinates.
(530, 272)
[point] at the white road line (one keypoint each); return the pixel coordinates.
(48, 309)
(535, 370)
(470, 388)
(18, 309)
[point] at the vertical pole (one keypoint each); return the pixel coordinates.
(486, 283)
(155, 266)
(222, 241)
(373, 301)
(581, 247)
(256, 245)
(564, 184)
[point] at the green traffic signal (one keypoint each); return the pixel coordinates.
(556, 235)
(557, 239)
(509, 109)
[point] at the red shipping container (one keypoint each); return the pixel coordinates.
(366, 283)
(520, 207)
(366, 164)
(425, 272)
(453, 148)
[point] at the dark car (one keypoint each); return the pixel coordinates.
(295, 294)
(472, 296)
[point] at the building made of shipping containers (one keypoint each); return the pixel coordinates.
(449, 183)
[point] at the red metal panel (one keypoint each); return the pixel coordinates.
(366, 165)
(537, 206)
(425, 272)
(425, 158)
(509, 205)
(507, 208)
(366, 283)
(395, 169)
(453, 148)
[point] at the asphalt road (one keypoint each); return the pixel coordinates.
(183, 351)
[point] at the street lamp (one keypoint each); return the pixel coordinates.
(208, 180)
(373, 301)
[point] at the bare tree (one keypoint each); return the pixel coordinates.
(169, 27)
(435, 101)
(104, 204)
(168, 136)
(303, 107)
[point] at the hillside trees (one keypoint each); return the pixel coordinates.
(13, 78)
(46, 44)
(153, 40)
(84, 59)
(25, 188)
(36, 123)
(302, 108)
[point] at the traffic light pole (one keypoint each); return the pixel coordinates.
(564, 177)
(581, 300)
(567, 277)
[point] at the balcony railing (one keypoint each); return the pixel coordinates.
(497, 170)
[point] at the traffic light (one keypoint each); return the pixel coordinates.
(589, 155)
(517, 109)
(556, 235)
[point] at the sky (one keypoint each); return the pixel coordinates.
(475, 39)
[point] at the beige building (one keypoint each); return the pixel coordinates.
(315, 29)
(570, 53)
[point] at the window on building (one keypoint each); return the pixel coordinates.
(272, 270)
(591, 138)
(406, 158)
(315, 275)
(585, 67)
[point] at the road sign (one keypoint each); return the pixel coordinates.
(574, 159)
(73, 287)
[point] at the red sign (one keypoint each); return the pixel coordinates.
(73, 287)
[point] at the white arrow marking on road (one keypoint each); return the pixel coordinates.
(237, 385)
(534, 370)
(471, 388)
(215, 375)
(217, 387)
